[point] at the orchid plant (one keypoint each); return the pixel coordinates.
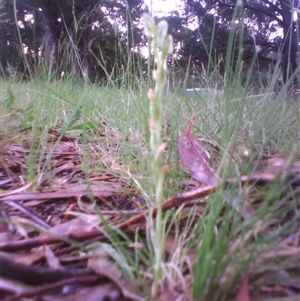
(161, 47)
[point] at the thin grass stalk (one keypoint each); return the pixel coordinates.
(231, 73)
(211, 63)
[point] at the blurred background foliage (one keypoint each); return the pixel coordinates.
(100, 40)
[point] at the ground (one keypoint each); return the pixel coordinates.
(77, 222)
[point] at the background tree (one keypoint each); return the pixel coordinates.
(20, 38)
(263, 22)
(102, 39)
(78, 37)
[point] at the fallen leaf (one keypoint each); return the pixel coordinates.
(73, 226)
(194, 157)
(103, 292)
(13, 286)
(52, 260)
(25, 258)
(46, 176)
(73, 191)
(105, 268)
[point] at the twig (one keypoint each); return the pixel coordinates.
(174, 201)
(131, 223)
(47, 287)
(38, 241)
(29, 213)
(34, 275)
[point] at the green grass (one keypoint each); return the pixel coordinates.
(212, 248)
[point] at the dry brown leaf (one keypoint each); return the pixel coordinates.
(46, 176)
(72, 226)
(86, 207)
(284, 167)
(13, 286)
(8, 237)
(105, 268)
(25, 258)
(16, 191)
(24, 226)
(72, 191)
(51, 259)
(103, 292)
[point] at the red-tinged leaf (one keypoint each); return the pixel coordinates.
(244, 290)
(194, 157)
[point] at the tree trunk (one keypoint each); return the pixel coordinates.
(51, 35)
(86, 52)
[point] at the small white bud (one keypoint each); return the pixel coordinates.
(149, 25)
(162, 31)
(151, 95)
(167, 46)
(155, 74)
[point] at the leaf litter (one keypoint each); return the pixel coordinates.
(47, 222)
